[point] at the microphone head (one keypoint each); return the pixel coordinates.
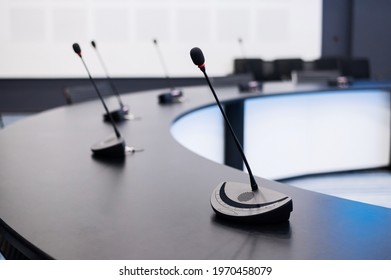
(197, 56)
(155, 41)
(93, 44)
(240, 40)
(76, 48)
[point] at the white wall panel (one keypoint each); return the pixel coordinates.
(37, 35)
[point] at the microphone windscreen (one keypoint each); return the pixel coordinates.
(155, 41)
(197, 56)
(76, 48)
(93, 44)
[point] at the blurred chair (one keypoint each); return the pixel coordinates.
(230, 80)
(250, 65)
(283, 67)
(81, 93)
(357, 68)
(314, 76)
(329, 63)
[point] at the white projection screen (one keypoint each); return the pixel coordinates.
(37, 35)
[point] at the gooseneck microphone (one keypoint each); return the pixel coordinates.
(198, 59)
(244, 56)
(113, 146)
(174, 95)
(123, 112)
(252, 86)
(163, 64)
(230, 199)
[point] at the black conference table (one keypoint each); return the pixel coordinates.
(59, 202)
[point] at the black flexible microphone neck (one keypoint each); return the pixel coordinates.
(198, 59)
(242, 48)
(248, 63)
(112, 85)
(77, 50)
(163, 64)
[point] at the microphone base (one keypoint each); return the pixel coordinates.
(173, 96)
(250, 87)
(264, 206)
(341, 82)
(110, 147)
(119, 115)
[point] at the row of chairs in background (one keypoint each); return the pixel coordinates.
(282, 69)
(257, 69)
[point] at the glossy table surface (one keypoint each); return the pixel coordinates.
(59, 202)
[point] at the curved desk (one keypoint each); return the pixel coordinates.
(56, 201)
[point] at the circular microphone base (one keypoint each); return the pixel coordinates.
(112, 147)
(117, 115)
(250, 87)
(230, 200)
(171, 97)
